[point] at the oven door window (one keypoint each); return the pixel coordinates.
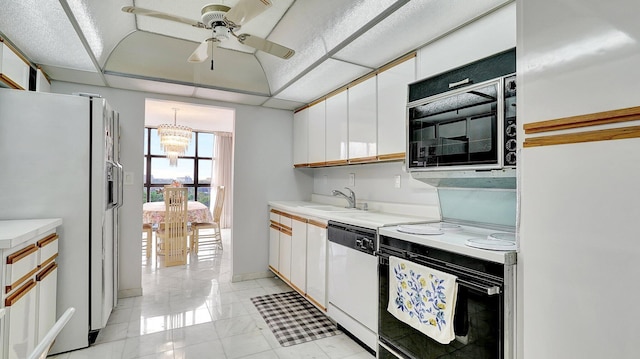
(457, 130)
(477, 324)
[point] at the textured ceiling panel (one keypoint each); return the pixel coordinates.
(234, 97)
(41, 29)
(153, 56)
(412, 26)
(127, 83)
(103, 24)
(313, 28)
(283, 104)
(325, 78)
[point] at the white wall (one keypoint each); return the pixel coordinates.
(263, 168)
(579, 252)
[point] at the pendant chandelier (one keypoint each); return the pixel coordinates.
(174, 139)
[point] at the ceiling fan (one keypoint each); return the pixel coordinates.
(223, 21)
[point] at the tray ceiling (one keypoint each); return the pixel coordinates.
(336, 41)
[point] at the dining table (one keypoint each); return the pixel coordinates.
(153, 212)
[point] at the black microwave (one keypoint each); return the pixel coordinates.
(470, 128)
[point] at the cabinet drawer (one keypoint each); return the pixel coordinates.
(48, 250)
(21, 265)
(274, 216)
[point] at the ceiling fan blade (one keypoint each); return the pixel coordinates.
(246, 10)
(266, 46)
(201, 52)
(160, 15)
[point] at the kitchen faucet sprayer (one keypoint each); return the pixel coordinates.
(351, 198)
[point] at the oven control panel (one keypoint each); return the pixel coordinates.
(510, 129)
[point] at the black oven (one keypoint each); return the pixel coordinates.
(466, 128)
(483, 320)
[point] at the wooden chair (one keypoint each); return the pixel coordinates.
(147, 230)
(173, 232)
(209, 239)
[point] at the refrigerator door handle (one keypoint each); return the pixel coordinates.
(120, 200)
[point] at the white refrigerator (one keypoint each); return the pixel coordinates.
(59, 158)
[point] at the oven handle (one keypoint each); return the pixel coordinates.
(493, 290)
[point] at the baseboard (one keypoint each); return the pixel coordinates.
(128, 293)
(250, 276)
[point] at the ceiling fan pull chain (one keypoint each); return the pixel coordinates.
(211, 64)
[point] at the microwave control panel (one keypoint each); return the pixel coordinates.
(510, 128)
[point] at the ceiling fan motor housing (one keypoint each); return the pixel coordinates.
(213, 15)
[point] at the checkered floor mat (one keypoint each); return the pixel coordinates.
(292, 319)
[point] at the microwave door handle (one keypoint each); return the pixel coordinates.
(461, 82)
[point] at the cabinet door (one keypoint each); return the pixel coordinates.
(392, 104)
(299, 254)
(274, 247)
(13, 70)
(47, 281)
(284, 259)
(337, 141)
(362, 119)
(317, 263)
(301, 137)
(317, 133)
(21, 321)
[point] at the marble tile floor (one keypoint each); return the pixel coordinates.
(195, 311)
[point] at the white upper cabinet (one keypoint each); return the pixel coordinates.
(362, 119)
(392, 103)
(317, 133)
(301, 137)
(337, 128)
(14, 72)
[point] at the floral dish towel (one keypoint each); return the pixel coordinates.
(422, 297)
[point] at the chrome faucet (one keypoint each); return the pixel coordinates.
(351, 197)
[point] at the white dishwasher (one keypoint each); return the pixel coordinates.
(353, 281)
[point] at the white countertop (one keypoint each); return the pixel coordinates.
(368, 219)
(15, 232)
(453, 242)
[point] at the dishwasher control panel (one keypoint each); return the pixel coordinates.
(350, 236)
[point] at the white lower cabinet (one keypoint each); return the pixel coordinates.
(317, 262)
(28, 278)
(299, 254)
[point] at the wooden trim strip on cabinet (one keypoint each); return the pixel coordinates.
(285, 214)
(318, 164)
(21, 292)
(51, 259)
(337, 163)
(286, 231)
(24, 252)
(392, 157)
(588, 136)
(45, 272)
(593, 119)
(14, 85)
(276, 227)
(316, 303)
(317, 223)
(11, 286)
(363, 159)
(48, 239)
(397, 62)
(300, 165)
(274, 271)
(300, 291)
(16, 52)
(299, 219)
(275, 211)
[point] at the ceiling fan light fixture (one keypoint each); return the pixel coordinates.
(221, 33)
